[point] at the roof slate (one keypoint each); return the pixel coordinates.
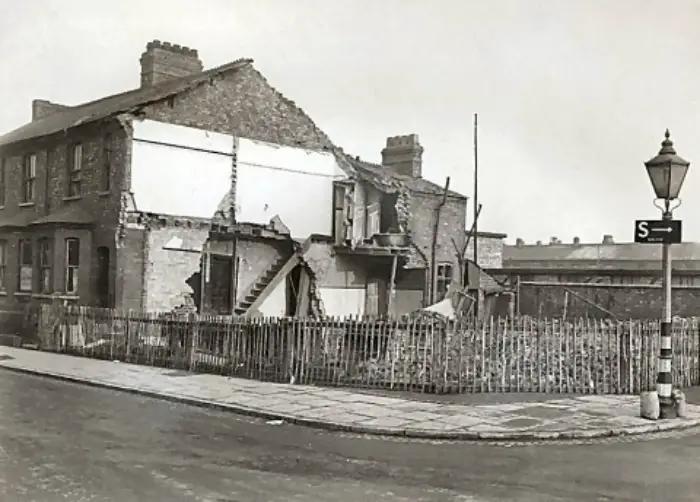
(132, 100)
(113, 105)
(377, 173)
(598, 252)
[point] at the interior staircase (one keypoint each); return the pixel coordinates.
(259, 286)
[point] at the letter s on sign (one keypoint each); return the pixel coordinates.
(643, 229)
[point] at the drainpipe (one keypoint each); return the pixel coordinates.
(433, 247)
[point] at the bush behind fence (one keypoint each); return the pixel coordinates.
(417, 354)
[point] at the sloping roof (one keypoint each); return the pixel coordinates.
(72, 214)
(487, 235)
(375, 173)
(115, 104)
(18, 220)
(592, 252)
(131, 101)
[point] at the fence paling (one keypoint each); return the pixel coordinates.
(500, 355)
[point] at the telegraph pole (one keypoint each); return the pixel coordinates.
(476, 213)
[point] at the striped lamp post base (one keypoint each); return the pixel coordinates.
(664, 383)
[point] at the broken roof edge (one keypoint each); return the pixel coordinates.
(168, 220)
(369, 171)
(484, 233)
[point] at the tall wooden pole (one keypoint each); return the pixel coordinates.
(476, 212)
(476, 187)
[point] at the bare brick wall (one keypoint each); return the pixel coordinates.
(132, 256)
(452, 224)
(629, 303)
(489, 251)
(51, 190)
(243, 104)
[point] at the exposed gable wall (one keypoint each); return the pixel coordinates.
(242, 103)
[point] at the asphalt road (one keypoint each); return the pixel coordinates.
(66, 442)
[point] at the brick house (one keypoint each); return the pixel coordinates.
(73, 226)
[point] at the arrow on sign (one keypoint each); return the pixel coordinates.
(667, 230)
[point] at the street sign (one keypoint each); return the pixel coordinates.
(657, 231)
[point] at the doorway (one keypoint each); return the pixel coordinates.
(104, 299)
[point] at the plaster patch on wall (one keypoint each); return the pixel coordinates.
(319, 258)
(172, 273)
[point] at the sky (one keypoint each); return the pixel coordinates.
(572, 96)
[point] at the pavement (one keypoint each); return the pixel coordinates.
(61, 441)
(548, 418)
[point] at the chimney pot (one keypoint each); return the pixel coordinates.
(539, 243)
(577, 241)
(404, 154)
(164, 61)
(519, 242)
(608, 239)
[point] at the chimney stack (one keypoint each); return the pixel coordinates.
(519, 242)
(539, 243)
(577, 241)
(554, 240)
(164, 61)
(404, 155)
(42, 108)
(608, 239)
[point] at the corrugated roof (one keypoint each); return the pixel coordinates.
(377, 173)
(113, 105)
(609, 252)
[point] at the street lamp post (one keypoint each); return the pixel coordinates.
(667, 172)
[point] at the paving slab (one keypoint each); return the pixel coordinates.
(582, 416)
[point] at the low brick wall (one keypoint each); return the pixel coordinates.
(628, 302)
(11, 322)
(10, 341)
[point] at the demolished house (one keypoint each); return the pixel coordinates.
(209, 190)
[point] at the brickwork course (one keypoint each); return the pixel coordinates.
(542, 417)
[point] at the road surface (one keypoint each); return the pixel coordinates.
(61, 441)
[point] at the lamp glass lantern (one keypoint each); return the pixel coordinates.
(667, 171)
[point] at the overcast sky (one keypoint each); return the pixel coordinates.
(572, 96)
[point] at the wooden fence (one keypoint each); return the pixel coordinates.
(417, 354)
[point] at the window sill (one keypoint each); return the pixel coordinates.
(2, 207)
(3, 293)
(72, 197)
(25, 204)
(104, 194)
(23, 293)
(55, 296)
